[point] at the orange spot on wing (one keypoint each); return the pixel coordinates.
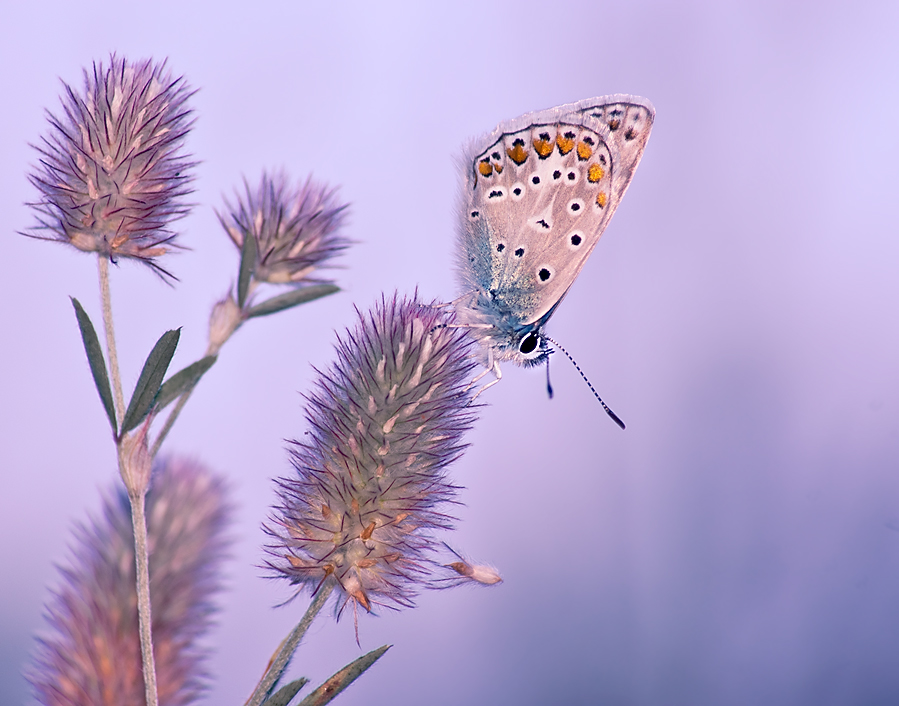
(485, 168)
(595, 173)
(601, 199)
(584, 151)
(565, 142)
(544, 147)
(517, 152)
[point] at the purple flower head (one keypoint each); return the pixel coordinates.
(297, 228)
(370, 486)
(92, 657)
(111, 172)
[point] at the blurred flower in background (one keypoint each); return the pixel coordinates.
(112, 174)
(370, 487)
(92, 656)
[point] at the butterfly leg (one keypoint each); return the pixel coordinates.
(492, 367)
(443, 305)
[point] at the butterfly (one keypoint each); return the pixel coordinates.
(537, 193)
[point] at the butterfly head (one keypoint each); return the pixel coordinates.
(533, 349)
(504, 335)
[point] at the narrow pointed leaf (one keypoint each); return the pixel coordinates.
(288, 646)
(95, 360)
(150, 379)
(283, 696)
(183, 380)
(343, 678)
(247, 264)
(292, 298)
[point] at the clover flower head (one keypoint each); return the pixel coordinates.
(112, 173)
(297, 228)
(92, 656)
(370, 486)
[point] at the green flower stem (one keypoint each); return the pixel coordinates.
(285, 651)
(138, 515)
(139, 521)
(176, 410)
(106, 301)
(170, 421)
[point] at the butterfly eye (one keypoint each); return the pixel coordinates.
(529, 343)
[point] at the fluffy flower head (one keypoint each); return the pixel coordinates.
(92, 657)
(111, 173)
(370, 486)
(297, 228)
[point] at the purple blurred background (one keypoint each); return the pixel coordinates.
(738, 544)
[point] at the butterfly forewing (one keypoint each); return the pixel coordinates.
(628, 120)
(539, 192)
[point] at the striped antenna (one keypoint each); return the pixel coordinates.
(614, 416)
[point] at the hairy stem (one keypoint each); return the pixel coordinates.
(281, 658)
(106, 302)
(170, 421)
(173, 415)
(138, 515)
(139, 522)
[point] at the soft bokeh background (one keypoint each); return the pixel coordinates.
(738, 544)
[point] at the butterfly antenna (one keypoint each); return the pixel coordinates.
(549, 386)
(614, 416)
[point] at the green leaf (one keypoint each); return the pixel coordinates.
(343, 679)
(183, 380)
(150, 379)
(292, 298)
(95, 360)
(283, 696)
(247, 264)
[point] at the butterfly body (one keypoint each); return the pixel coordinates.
(537, 194)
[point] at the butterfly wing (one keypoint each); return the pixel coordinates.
(538, 193)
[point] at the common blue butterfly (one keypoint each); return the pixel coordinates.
(538, 192)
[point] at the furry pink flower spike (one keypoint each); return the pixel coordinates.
(371, 486)
(111, 172)
(92, 657)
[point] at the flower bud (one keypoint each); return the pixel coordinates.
(136, 462)
(223, 321)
